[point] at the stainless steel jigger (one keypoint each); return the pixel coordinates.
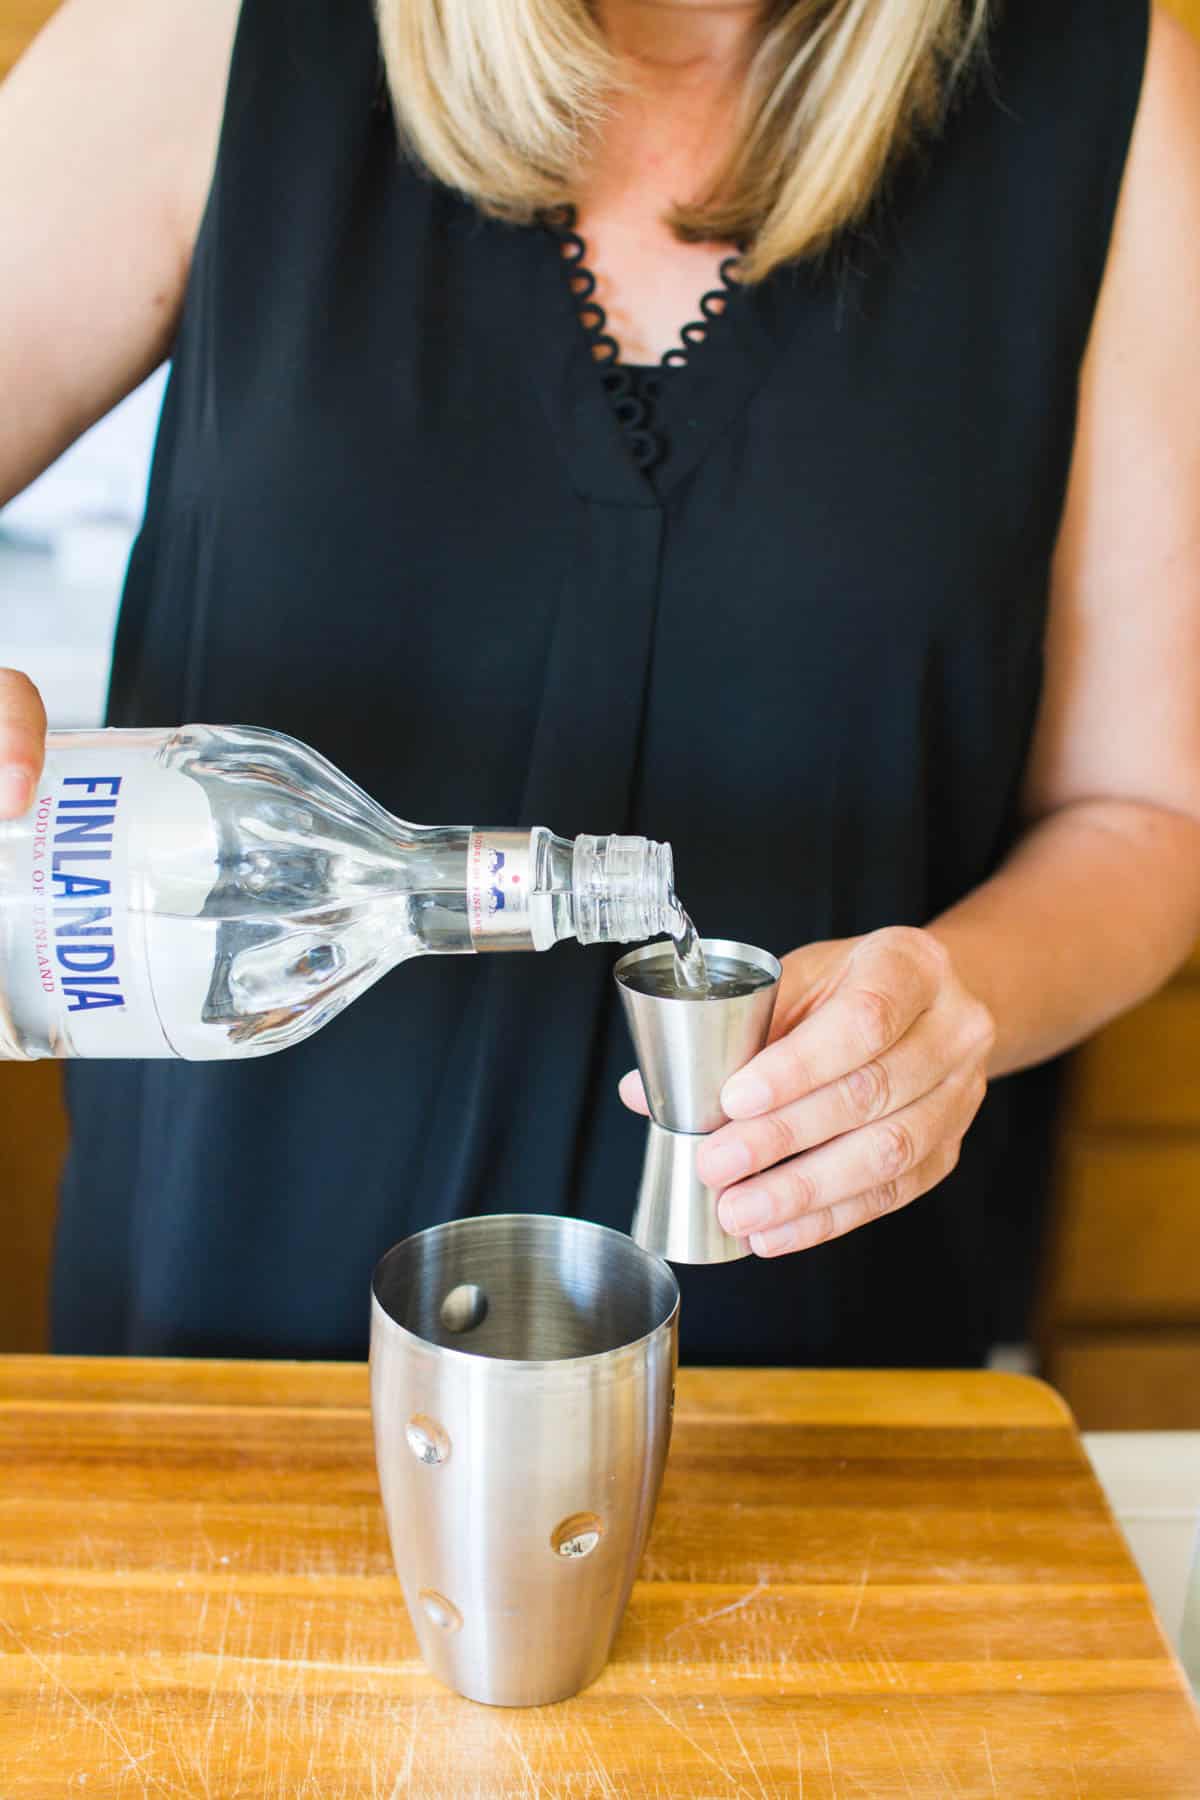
(686, 1051)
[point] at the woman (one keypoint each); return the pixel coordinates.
(879, 601)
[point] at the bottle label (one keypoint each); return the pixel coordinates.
(78, 977)
(499, 890)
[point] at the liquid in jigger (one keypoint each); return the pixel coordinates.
(726, 979)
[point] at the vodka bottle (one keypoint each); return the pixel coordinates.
(224, 891)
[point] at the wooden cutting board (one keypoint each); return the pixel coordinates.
(859, 1585)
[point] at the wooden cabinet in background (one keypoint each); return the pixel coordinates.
(1120, 1330)
(33, 1140)
(1129, 1380)
(19, 20)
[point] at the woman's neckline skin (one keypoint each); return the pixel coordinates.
(671, 124)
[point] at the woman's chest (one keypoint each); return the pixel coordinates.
(850, 449)
(649, 285)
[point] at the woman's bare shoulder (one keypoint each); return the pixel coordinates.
(1154, 262)
(130, 73)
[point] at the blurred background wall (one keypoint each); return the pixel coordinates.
(1119, 1321)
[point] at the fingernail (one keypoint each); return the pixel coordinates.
(758, 1244)
(719, 1164)
(16, 792)
(745, 1096)
(744, 1213)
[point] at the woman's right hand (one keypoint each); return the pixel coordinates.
(22, 742)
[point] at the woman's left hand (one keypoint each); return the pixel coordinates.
(876, 1067)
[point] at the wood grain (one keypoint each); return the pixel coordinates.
(883, 1585)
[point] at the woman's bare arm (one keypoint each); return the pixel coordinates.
(1101, 900)
(108, 132)
(883, 1043)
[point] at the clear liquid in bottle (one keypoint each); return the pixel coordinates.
(224, 891)
(727, 978)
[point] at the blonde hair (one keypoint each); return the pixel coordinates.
(500, 99)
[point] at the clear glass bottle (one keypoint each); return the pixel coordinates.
(224, 891)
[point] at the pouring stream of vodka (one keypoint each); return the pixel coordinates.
(690, 970)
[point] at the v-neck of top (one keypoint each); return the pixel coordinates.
(698, 386)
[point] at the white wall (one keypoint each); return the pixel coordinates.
(64, 544)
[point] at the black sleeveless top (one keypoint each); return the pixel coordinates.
(394, 512)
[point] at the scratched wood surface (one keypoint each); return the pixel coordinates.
(881, 1585)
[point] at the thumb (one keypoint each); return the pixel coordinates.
(22, 742)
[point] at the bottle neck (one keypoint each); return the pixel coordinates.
(622, 889)
(530, 890)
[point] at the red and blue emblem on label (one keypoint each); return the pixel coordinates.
(498, 889)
